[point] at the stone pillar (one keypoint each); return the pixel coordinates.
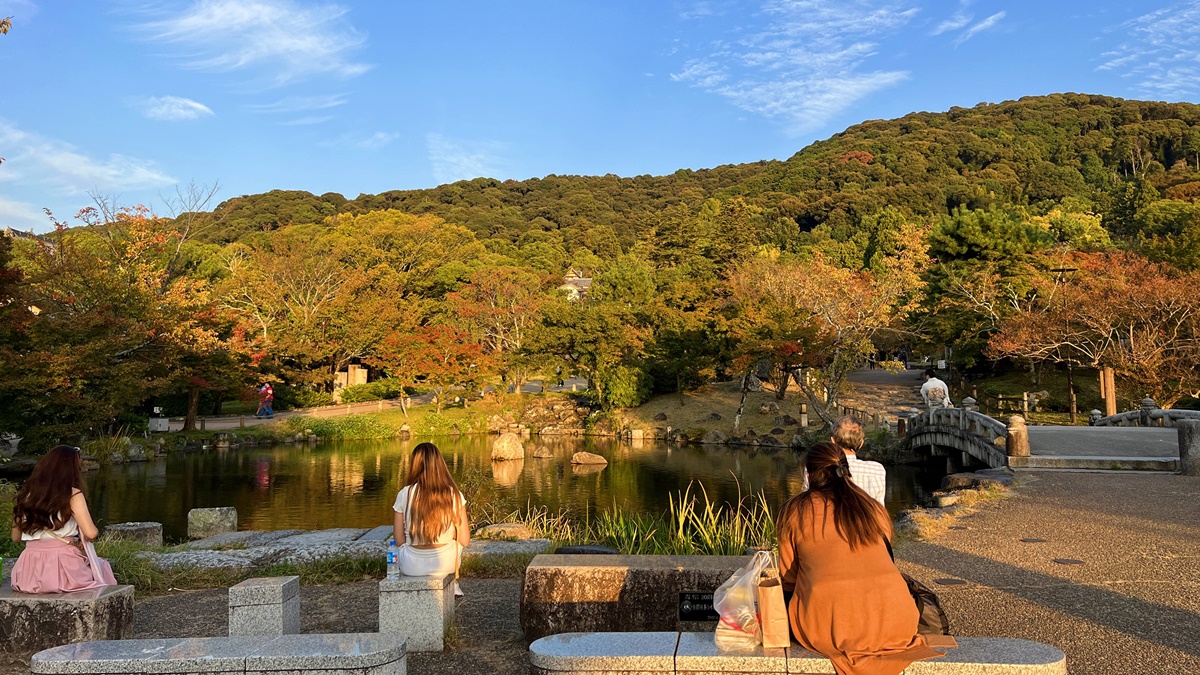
(267, 606)
(970, 404)
(1094, 416)
(1189, 447)
(901, 426)
(419, 608)
(1017, 444)
(803, 415)
(1148, 406)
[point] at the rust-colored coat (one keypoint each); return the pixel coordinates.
(851, 606)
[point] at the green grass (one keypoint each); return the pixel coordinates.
(1054, 410)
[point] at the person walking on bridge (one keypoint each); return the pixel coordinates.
(935, 392)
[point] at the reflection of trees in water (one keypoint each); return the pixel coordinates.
(353, 484)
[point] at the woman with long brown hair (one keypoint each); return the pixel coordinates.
(51, 516)
(430, 517)
(849, 601)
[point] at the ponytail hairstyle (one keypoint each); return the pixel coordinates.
(44, 500)
(437, 496)
(855, 514)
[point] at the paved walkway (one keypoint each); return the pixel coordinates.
(1132, 607)
(229, 422)
(1104, 441)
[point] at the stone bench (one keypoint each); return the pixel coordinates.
(697, 654)
(30, 622)
(587, 593)
(328, 654)
(265, 606)
(419, 608)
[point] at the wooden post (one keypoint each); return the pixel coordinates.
(803, 415)
(380, 405)
(201, 424)
(242, 421)
(1025, 404)
(1109, 390)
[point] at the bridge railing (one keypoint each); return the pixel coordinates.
(1148, 415)
(961, 418)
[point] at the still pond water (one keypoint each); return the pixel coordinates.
(353, 483)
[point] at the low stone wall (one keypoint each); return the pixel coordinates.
(29, 623)
(600, 593)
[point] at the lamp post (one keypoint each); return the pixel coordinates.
(1061, 271)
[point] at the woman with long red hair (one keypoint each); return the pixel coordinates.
(51, 516)
(849, 601)
(430, 517)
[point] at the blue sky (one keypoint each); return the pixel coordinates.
(129, 99)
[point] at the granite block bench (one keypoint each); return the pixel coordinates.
(265, 606)
(419, 608)
(326, 654)
(31, 622)
(697, 654)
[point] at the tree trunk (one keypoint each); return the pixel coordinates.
(189, 422)
(679, 388)
(783, 381)
(1071, 390)
(737, 419)
(218, 401)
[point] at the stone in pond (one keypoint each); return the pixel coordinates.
(777, 431)
(714, 437)
(505, 531)
(507, 447)
(588, 458)
(147, 534)
(204, 523)
(543, 451)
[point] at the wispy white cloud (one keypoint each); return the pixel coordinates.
(377, 140)
(172, 108)
(307, 120)
(50, 165)
(703, 10)
(1161, 53)
(292, 104)
(454, 159)
(286, 39)
(20, 215)
(958, 20)
(986, 24)
(807, 64)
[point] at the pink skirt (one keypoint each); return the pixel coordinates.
(53, 566)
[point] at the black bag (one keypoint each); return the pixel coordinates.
(932, 618)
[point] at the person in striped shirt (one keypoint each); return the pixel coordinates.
(848, 435)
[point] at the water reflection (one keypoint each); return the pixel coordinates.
(352, 484)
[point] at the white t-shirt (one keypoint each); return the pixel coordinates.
(68, 530)
(936, 393)
(401, 505)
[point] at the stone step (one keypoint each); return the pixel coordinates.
(1095, 463)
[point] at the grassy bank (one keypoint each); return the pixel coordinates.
(693, 411)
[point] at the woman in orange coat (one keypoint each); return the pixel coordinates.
(849, 602)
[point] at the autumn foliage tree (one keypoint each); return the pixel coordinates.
(1115, 310)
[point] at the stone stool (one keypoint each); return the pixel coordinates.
(148, 533)
(267, 606)
(29, 623)
(419, 608)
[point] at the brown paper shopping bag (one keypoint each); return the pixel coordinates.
(772, 613)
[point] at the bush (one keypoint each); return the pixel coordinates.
(349, 426)
(625, 387)
(8, 496)
(385, 389)
(287, 397)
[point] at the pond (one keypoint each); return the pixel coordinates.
(353, 483)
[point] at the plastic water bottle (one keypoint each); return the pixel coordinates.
(393, 560)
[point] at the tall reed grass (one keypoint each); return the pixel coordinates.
(693, 524)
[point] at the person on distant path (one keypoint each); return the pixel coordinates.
(904, 357)
(848, 600)
(430, 517)
(935, 392)
(266, 400)
(51, 516)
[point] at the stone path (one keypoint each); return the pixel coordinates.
(255, 548)
(1133, 606)
(891, 394)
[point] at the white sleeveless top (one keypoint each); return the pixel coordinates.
(68, 530)
(402, 504)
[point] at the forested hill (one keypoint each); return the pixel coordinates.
(1072, 148)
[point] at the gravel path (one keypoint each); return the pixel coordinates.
(1133, 606)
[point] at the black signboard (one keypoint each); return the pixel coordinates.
(695, 606)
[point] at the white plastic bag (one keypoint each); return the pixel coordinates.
(735, 601)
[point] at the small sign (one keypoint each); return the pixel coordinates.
(694, 606)
(941, 365)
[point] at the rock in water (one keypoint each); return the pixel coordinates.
(588, 458)
(543, 452)
(714, 437)
(507, 447)
(509, 531)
